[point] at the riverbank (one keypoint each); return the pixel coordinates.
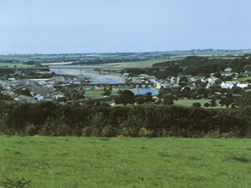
(95, 78)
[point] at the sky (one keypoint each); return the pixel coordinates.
(99, 26)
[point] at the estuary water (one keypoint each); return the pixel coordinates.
(143, 91)
(95, 78)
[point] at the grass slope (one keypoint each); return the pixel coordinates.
(126, 162)
(137, 64)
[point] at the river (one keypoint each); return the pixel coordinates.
(95, 78)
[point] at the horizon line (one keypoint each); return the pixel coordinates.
(60, 53)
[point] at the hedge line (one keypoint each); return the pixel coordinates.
(52, 119)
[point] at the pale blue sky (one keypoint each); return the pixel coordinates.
(85, 26)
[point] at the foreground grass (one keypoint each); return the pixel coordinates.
(126, 162)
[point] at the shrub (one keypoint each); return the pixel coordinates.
(124, 132)
(143, 132)
(18, 183)
(87, 131)
(31, 130)
(196, 104)
(206, 105)
(108, 131)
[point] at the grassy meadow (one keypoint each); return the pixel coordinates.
(189, 102)
(137, 64)
(94, 94)
(126, 162)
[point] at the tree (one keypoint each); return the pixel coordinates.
(168, 99)
(149, 97)
(206, 104)
(196, 104)
(217, 74)
(213, 103)
(126, 97)
(245, 100)
(227, 101)
(107, 92)
(140, 99)
(183, 81)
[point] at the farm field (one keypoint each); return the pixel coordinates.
(17, 65)
(138, 64)
(126, 162)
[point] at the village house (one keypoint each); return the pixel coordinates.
(165, 84)
(40, 81)
(23, 98)
(228, 84)
(211, 81)
(228, 72)
(8, 93)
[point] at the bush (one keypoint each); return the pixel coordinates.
(31, 130)
(16, 183)
(196, 104)
(206, 105)
(143, 132)
(108, 131)
(87, 131)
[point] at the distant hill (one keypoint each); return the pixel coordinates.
(102, 58)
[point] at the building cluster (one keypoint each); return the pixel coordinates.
(212, 80)
(34, 90)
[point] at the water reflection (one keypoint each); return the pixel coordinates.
(143, 91)
(95, 78)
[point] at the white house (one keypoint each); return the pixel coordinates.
(228, 84)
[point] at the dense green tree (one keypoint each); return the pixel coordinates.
(206, 104)
(245, 100)
(168, 99)
(107, 92)
(196, 104)
(213, 103)
(126, 97)
(227, 100)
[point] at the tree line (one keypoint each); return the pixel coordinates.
(51, 119)
(194, 65)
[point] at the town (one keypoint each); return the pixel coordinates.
(224, 87)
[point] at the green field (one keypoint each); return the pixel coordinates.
(138, 64)
(12, 65)
(189, 102)
(94, 94)
(126, 162)
(245, 79)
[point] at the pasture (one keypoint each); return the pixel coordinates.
(189, 102)
(94, 94)
(137, 64)
(126, 162)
